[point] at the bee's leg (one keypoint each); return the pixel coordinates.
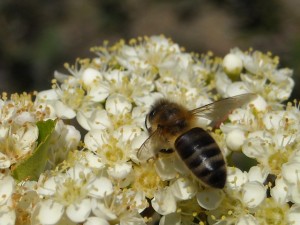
(166, 150)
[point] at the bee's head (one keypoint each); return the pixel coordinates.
(162, 112)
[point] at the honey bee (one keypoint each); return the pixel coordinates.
(175, 127)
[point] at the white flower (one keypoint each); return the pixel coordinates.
(237, 88)
(235, 178)
(50, 212)
(7, 211)
(279, 191)
(257, 173)
(261, 75)
(247, 220)
(232, 64)
(157, 51)
(71, 192)
(4, 161)
(24, 117)
(63, 111)
(183, 188)
(52, 98)
(259, 103)
(102, 211)
(235, 139)
(293, 215)
(79, 212)
(210, 198)
(16, 142)
(97, 119)
(25, 137)
(243, 117)
(165, 168)
(164, 202)
(120, 171)
(259, 146)
(172, 218)
(222, 83)
(95, 139)
(93, 161)
(91, 77)
(121, 206)
(96, 221)
(6, 188)
(100, 187)
(112, 150)
(7, 216)
(290, 173)
(253, 193)
(110, 178)
(131, 218)
(63, 139)
(117, 104)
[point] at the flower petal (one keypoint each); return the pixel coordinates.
(232, 64)
(210, 198)
(93, 161)
(294, 215)
(6, 189)
(237, 88)
(235, 178)
(94, 139)
(280, 191)
(183, 188)
(291, 172)
(50, 212)
(117, 104)
(100, 210)
(8, 218)
(127, 132)
(4, 161)
(120, 171)
(172, 218)
(49, 187)
(79, 212)
(247, 220)
(63, 111)
(164, 202)
(165, 168)
(259, 103)
(235, 139)
(90, 76)
(257, 174)
(101, 187)
(96, 221)
(253, 193)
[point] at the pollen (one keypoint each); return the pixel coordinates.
(73, 97)
(147, 180)
(277, 160)
(272, 213)
(71, 192)
(111, 153)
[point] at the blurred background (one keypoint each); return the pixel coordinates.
(38, 36)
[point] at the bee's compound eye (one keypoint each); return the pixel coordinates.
(152, 114)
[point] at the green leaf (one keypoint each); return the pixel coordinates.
(32, 166)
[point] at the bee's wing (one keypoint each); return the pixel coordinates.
(218, 111)
(148, 148)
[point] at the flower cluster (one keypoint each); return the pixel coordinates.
(91, 173)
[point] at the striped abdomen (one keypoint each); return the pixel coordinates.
(203, 157)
